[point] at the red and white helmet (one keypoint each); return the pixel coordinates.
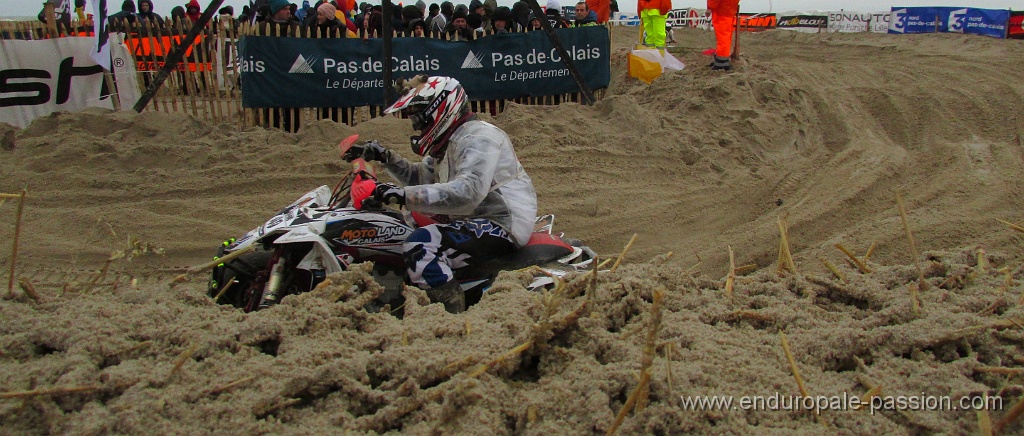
(433, 104)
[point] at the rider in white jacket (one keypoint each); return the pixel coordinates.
(470, 173)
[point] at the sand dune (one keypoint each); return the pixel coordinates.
(824, 130)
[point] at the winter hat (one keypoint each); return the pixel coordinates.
(502, 13)
(327, 9)
(474, 4)
(411, 12)
(277, 5)
(421, 5)
(459, 13)
(555, 5)
(418, 22)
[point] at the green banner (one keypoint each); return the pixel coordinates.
(306, 72)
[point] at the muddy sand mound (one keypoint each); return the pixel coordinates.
(822, 130)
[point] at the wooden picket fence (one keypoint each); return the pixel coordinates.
(206, 84)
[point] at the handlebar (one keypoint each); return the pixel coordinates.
(371, 204)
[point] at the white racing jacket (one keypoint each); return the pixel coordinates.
(478, 177)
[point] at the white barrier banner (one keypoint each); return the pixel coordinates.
(689, 17)
(849, 22)
(40, 77)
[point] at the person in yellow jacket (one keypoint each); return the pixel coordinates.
(653, 14)
(723, 19)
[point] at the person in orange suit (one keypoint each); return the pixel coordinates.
(602, 8)
(653, 14)
(723, 19)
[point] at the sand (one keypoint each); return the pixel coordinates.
(824, 130)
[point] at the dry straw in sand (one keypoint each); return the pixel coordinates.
(923, 285)
(17, 235)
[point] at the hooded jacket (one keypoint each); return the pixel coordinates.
(300, 13)
(127, 14)
(479, 176)
(521, 13)
(148, 17)
(193, 16)
(440, 22)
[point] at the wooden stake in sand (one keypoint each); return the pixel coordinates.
(1012, 225)
(835, 271)
(231, 385)
(984, 420)
(856, 262)
(871, 250)
(913, 247)
(211, 265)
(730, 279)
(639, 397)
(17, 235)
(1015, 412)
(999, 370)
(180, 361)
(792, 364)
(224, 290)
(629, 244)
(915, 299)
(29, 289)
(49, 391)
(785, 255)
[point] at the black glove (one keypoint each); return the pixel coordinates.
(370, 151)
(387, 193)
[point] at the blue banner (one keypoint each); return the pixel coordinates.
(918, 20)
(989, 22)
(306, 72)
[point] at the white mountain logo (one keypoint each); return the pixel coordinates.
(302, 65)
(473, 60)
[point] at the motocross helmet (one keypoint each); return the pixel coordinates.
(433, 104)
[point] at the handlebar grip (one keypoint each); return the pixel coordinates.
(371, 203)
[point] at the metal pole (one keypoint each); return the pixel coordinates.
(736, 34)
(569, 64)
(176, 56)
(388, 15)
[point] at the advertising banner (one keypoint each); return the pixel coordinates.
(918, 20)
(988, 22)
(756, 22)
(804, 23)
(40, 77)
(1016, 25)
(151, 49)
(303, 72)
(689, 17)
(853, 22)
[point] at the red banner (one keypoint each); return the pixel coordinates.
(150, 52)
(1016, 25)
(757, 22)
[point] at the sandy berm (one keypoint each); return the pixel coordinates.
(824, 130)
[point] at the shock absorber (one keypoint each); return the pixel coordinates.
(271, 293)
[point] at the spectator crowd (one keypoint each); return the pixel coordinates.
(347, 19)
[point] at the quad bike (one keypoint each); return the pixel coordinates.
(325, 231)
